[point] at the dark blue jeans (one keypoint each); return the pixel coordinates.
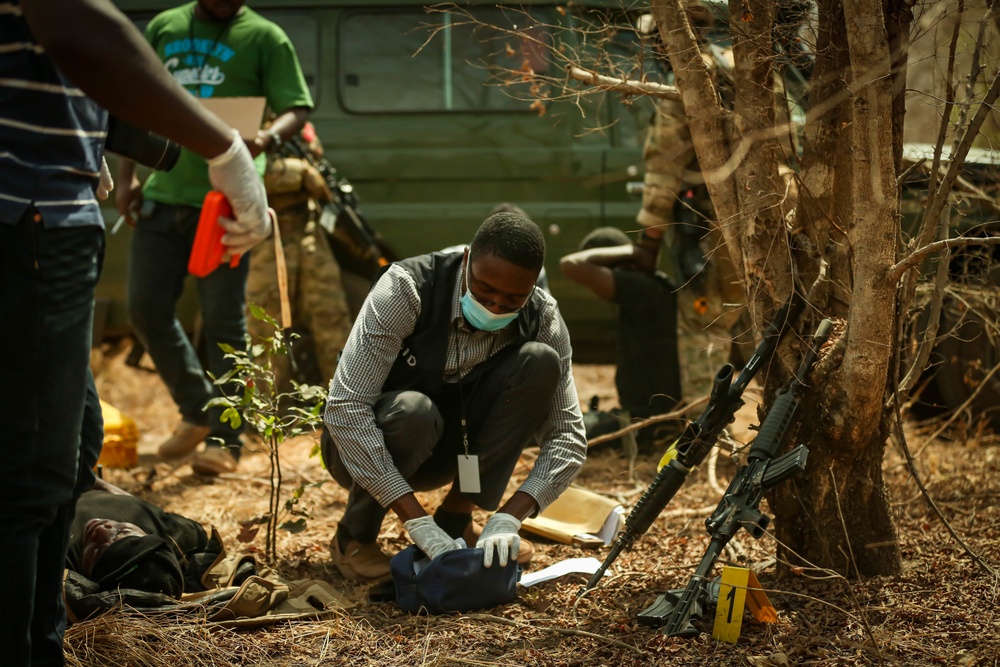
(161, 246)
(47, 280)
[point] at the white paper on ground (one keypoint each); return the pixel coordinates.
(586, 566)
(613, 525)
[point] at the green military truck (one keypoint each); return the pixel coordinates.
(416, 116)
(431, 141)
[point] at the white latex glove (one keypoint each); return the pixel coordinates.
(239, 241)
(429, 537)
(234, 175)
(105, 183)
(500, 532)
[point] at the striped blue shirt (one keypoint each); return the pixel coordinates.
(51, 133)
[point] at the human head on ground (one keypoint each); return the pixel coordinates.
(502, 264)
(117, 554)
(220, 11)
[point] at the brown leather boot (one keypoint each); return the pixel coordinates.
(185, 439)
(213, 462)
(360, 562)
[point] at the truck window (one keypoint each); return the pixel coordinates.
(394, 61)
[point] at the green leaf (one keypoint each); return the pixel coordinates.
(231, 415)
(227, 348)
(248, 394)
(226, 377)
(256, 311)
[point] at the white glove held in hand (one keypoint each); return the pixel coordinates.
(500, 532)
(429, 537)
(238, 241)
(105, 184)
(234, 175)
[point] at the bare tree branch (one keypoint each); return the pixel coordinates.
(917, 257)
(912, 466)
(929, 334)
(624, 86)
(957, 159)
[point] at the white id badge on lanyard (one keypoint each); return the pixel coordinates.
(468, 473)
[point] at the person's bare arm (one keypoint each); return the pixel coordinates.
(520, 505)
(594, 268)
(128, 194)
(408, 507)
(286, 126)
(99, 50)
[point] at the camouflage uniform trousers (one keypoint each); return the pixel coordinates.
(315, 291)
(708, 311)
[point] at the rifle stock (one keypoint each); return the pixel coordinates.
(698, 438)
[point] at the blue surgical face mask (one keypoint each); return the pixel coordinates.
(479, 315)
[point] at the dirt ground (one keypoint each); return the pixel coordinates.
(941, 611)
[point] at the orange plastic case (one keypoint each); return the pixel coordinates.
(207, 252)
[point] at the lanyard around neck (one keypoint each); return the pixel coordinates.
(211, 49)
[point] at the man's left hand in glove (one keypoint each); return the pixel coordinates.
(500, 533)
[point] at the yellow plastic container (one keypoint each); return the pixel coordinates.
(121, 439)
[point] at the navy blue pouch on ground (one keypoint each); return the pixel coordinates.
(454, 582)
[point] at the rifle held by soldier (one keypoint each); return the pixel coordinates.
(739, 507)
(363, 242)
(698, 438)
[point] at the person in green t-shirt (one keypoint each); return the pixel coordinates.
(213, 48)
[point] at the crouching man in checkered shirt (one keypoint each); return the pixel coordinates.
(454, 365)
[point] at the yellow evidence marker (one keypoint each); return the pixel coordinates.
(739, 588)
(732, 599)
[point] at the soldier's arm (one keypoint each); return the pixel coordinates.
(285, 126)
(594, 268)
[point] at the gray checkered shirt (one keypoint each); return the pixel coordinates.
(387, 317)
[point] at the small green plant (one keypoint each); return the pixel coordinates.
(250, 394)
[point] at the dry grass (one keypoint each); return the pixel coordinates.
(941, 611)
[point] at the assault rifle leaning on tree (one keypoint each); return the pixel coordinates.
(697, 440)
(739, 507)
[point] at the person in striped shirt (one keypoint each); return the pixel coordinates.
(455, 363)
(62, 65)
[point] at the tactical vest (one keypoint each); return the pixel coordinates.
(420, 365)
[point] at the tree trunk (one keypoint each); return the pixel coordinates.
(836, 515)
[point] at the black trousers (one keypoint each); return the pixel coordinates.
(504, 408)
(47, 281)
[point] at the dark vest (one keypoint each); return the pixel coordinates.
(420, 365)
